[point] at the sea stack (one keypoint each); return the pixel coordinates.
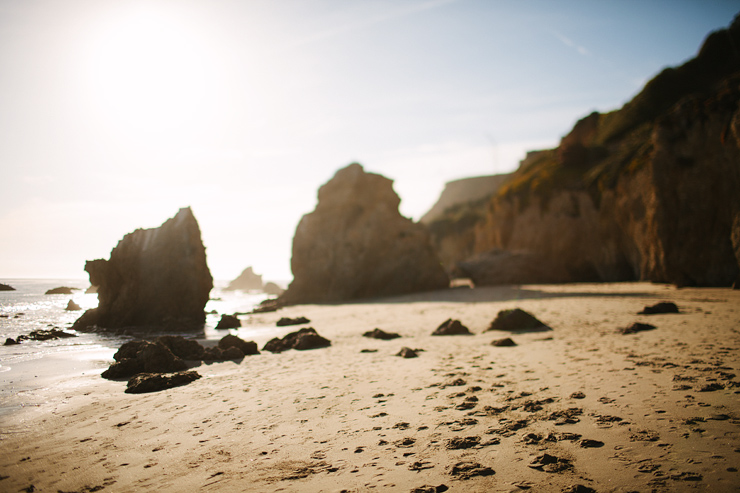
(156, 279)
(356, 244)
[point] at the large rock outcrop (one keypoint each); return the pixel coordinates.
(246, 281)
(156, 279)
(355, 244)
(645, 192)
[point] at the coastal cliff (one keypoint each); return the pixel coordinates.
(645, 192)
(155, 279)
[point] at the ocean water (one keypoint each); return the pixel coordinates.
(32, 369)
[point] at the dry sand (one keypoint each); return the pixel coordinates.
(338, 419)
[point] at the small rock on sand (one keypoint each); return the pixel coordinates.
(229, 322)
(286, 321)
(379, 334)
(662, 307)
(505, 342)
(407, 352)
(154, 382)
(430, 489)
(451, 327)
(517, 320)
(635, 328)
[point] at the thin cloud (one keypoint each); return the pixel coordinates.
(571, 44)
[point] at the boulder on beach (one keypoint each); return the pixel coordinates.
(407, 352)
(286, 321)
(356, 244)
(451, 327)
(303, 339)
(62, 290)
(136, 357)
(72, 306)
(6, 287)
(154, 382)
(155, 279)
(186, 349)
(246, 347)
(505, 342)
(229, 322)
(10, 342)
(517, 320)
(662, 307)
(246, 281)
(382, 335)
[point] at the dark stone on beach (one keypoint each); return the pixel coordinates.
(6, 287)
(286, 321)
(72, 306)
(154, 382)
(45, 335)
(10, 342)
(356, 244)
(186, 349)
(228, 322)
(407, 352)
(303, 339)
(62, 290)
(232, 353)
(267, 306)
(379, 334)
(662, 307)
(506, 342)
(451, 327)
(247, 348)
(155, 280)
(430, 489)
(143, 357)
(588, 443)
(468, 469)
(213, 354)
(635, 328)
(517, 320)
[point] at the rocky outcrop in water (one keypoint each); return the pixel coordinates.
(648, 192)
(246, 281)
(6, 287)
(355, 244)
(155, 279)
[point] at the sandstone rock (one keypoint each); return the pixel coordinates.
(155, 279)
(246, 281)
(246, 347)
(382, 335)
(662, 307)
(286, 321)
(6, 287)
(517, 320)
(143, 357)
(62, 290)
(301, 340)
(451, 327)
(355, 244)
(228, 322)
(154, 382)
(72, 306)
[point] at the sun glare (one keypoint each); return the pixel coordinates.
(150, 72)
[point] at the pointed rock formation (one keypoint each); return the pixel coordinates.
(155, 279)
(357, 245)
(246, 281)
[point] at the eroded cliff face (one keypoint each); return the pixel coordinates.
(647, 192)
(355, 244)
(155, 279)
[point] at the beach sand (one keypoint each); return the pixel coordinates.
(652, 411)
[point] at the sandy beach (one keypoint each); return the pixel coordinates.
(579, 405)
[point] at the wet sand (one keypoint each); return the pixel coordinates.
(579, 405)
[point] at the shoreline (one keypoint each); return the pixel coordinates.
(337, 418)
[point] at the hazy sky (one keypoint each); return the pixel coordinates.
(114, 114)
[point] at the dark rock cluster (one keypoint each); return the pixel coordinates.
(39, 335)
(303, 339)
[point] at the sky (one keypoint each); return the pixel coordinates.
(115, 114)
